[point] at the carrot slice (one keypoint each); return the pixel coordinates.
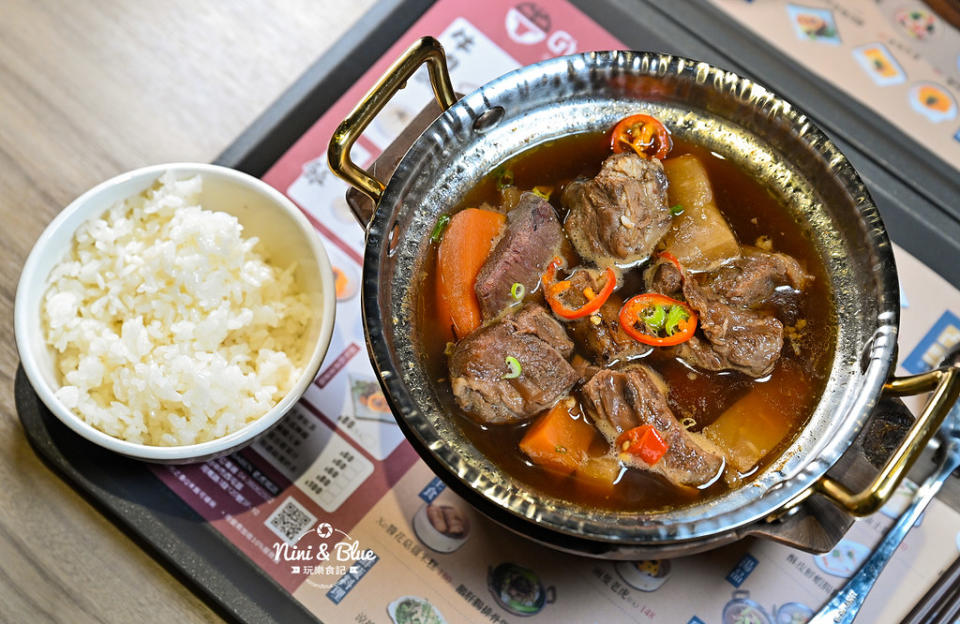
(559, 439)
(464, 248)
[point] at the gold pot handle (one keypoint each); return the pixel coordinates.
(945, 384)
(426, 50)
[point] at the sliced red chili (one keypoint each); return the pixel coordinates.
(644, 134)
(658, 320)
(552, 289)
(644, 442)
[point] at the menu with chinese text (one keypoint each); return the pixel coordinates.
(895, 57)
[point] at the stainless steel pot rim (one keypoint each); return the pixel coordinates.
(394, 355)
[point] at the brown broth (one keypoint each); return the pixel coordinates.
(752, 212)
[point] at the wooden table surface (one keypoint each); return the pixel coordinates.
(89, 90)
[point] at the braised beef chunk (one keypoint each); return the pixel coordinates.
(619, 400)
(752, 278)
(665, 278)
(618, 217)
(738, 331)
(478, 366)
(537, 321)
(603, 339)
(585, 369)
(531, 240)
(749, 342)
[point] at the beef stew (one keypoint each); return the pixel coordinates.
(554, 343)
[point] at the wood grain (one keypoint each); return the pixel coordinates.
(88, 90)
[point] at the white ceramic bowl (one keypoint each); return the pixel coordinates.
(263, 211)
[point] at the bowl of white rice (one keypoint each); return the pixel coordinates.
(176, 312)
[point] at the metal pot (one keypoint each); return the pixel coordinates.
(793, 500)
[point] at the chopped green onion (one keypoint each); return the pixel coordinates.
(676, 210)
(655, 318)
(676, 314)
(438, 229)
(449, 348)
(515, 368)
(517, 291)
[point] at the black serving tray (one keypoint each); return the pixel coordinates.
(913, 188)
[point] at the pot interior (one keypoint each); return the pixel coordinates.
(738, 119)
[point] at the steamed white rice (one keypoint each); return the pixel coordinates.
(169, 327)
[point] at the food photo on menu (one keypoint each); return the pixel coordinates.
(536, 318)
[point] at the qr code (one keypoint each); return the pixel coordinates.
(290, 521)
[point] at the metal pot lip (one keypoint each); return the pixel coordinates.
(879, 354)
